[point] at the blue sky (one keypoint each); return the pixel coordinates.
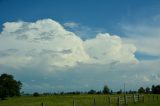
(45, 42)
(107, 14)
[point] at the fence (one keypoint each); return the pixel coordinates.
(120, 100)
(123, 100)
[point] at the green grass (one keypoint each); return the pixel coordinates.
(67, 100)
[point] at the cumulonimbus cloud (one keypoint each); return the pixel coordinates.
(23, 43)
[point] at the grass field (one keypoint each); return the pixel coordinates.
(67, 100)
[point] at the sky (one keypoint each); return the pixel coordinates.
(78, 45)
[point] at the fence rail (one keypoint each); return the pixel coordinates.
(123, 100)
(119, 100)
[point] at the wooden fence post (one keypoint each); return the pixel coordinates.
(143, 98)
(134, 98)
(94, 102)
(109, 101)
(118, 101)
(125, 99)
(42, 104)
(74, 103)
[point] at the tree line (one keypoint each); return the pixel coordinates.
(155, 89)
(10, 87)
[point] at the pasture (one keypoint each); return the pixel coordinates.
(80, 100)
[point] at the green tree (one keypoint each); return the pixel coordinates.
(36, 94)
(147, 90)
(157, 89)
(153, 89)
(92, 91)
(9, 86)
(106, 89)
(119, 92)
(141, 90)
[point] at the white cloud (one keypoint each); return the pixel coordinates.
(44, 40)
(107, 49)
(71, 24)
(24, 43)
(12, 26)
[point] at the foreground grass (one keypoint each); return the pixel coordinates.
(67, 100)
